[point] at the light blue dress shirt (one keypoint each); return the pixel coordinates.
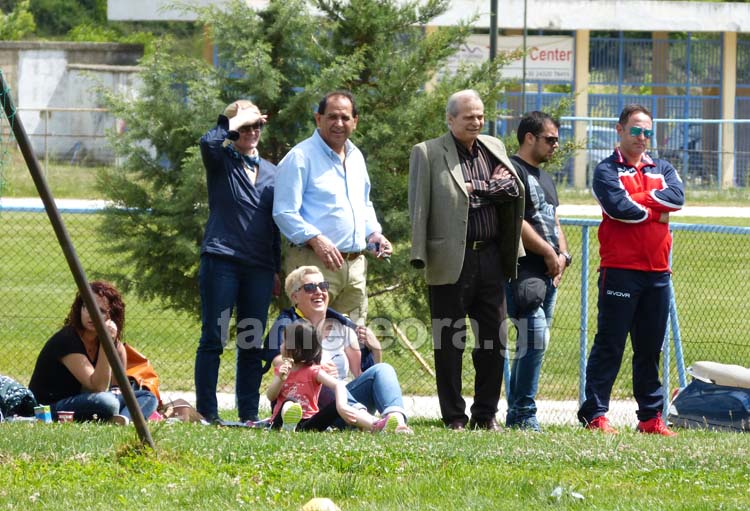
(315, 195)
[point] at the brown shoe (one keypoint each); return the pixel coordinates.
(486, 424)
(456, 425)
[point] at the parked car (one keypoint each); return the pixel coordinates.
(683, 148)
(600, 142)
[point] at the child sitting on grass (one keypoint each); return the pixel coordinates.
(296, 386)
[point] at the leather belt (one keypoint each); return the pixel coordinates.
(351, 256)
(478, 245)
(348, 256)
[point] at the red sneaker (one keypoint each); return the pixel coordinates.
(601, 423)
(655, 426)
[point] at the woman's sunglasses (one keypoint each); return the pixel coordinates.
(312, 286)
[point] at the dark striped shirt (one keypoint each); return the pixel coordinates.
(477, 166)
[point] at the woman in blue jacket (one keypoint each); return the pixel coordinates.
(240, 256)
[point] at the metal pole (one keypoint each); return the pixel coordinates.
(493, 54)
(46, 146)
(584, 323)
(523, 68)
(75, 265)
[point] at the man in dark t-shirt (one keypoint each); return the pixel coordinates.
(531, 297)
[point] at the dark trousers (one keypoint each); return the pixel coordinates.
(224, 284)
(326, 416)
(634, 302)
(478, 294)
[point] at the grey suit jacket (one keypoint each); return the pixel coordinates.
(439, 211)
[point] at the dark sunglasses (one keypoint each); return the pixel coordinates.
(549, 140)
(312, 286)
(258, 126)
(637, 131)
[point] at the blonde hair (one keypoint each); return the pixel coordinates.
(231, 109)
(294, 279)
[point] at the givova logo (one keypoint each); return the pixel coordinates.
(618, 294)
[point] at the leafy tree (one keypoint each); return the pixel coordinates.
(17, 23)
(285, 60)
(57, 17)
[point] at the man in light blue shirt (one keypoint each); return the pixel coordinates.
(323, 206)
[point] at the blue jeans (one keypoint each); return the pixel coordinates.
(375, 389)
(225, 283)
(103, 405)
(532, 341)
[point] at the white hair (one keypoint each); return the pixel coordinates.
(451, 108)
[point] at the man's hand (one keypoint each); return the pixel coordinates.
(563, 264)
(384, 246)
(501, 172)
(469, 187)
(552, 261)
(664, 217)
(327, 252)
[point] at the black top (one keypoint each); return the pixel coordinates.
(51, 380)
(541, 205)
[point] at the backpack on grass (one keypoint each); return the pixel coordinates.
(15, 399)
(705, 405)
(141, 373)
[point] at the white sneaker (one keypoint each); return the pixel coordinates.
(120, 420)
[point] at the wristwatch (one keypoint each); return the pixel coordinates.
(567, 257)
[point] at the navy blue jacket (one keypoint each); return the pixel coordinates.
(240, 223)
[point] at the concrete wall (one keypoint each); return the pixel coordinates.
(52, 82)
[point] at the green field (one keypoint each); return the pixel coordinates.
(89, 466)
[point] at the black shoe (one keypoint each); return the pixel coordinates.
(456, 425)
(486, 424)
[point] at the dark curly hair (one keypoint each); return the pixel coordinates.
(114, 299)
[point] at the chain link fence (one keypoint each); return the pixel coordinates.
(711, 266)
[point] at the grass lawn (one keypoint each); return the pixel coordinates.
(88, 466)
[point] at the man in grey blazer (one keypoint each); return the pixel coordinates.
(466, 208)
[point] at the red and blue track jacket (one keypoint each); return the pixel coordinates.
(632, 199)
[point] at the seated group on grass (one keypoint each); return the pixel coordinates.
(344, 348)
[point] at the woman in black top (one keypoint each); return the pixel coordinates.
(72, 372)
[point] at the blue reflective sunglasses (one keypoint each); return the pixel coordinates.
(636, 131)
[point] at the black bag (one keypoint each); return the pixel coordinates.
(15, 399)
(529, 291)
(708, 406)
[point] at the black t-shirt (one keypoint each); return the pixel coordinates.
(541, 206)
(51, 380)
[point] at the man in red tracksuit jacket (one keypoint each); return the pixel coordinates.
(636, 194)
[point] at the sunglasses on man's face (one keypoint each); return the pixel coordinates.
(550, 140)
(637, 131)
(312, 286)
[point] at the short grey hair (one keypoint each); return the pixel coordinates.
(451, 108)
(294, 279)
